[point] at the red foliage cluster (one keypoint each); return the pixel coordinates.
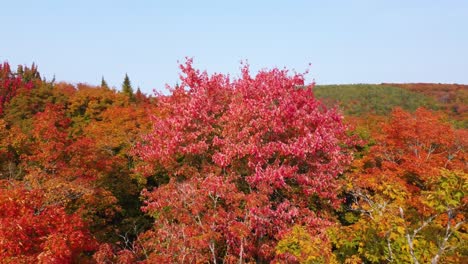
(10, 85)
(34, 231)
(247, 159)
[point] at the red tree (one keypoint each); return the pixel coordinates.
(34, 231)
(237, 164)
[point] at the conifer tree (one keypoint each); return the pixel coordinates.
(104, 83)
(20, 70)
(127, 87)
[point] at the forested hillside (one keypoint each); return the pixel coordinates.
(223, 170)
(380, 99)
(453, 98)
(364, 99)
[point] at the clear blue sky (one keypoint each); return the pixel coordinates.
(346, 41)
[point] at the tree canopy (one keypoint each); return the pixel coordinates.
(262, 168)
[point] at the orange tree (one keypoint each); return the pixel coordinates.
(407, 194)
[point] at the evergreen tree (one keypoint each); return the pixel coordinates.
(127, 87)
(20, 70)
(104, 83)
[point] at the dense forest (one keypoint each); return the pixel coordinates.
(256, 169)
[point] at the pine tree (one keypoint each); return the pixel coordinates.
(127, 87)
(104, 83)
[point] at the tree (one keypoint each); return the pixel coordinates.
(140, 97)
(301, 246)
(104, 83)
(13, 145)
(406, 197)
(116, 135)
(236, 164)
(11, 84)
(88, 103)
(127, 87)
(69, 169)
(35, 231)
(25, 105)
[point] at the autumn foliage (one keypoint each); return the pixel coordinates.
(238, 163)
(11, 84)
(407, 195)
(33, 230)
(252, 169)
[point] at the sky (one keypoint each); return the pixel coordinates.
(361, 41)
